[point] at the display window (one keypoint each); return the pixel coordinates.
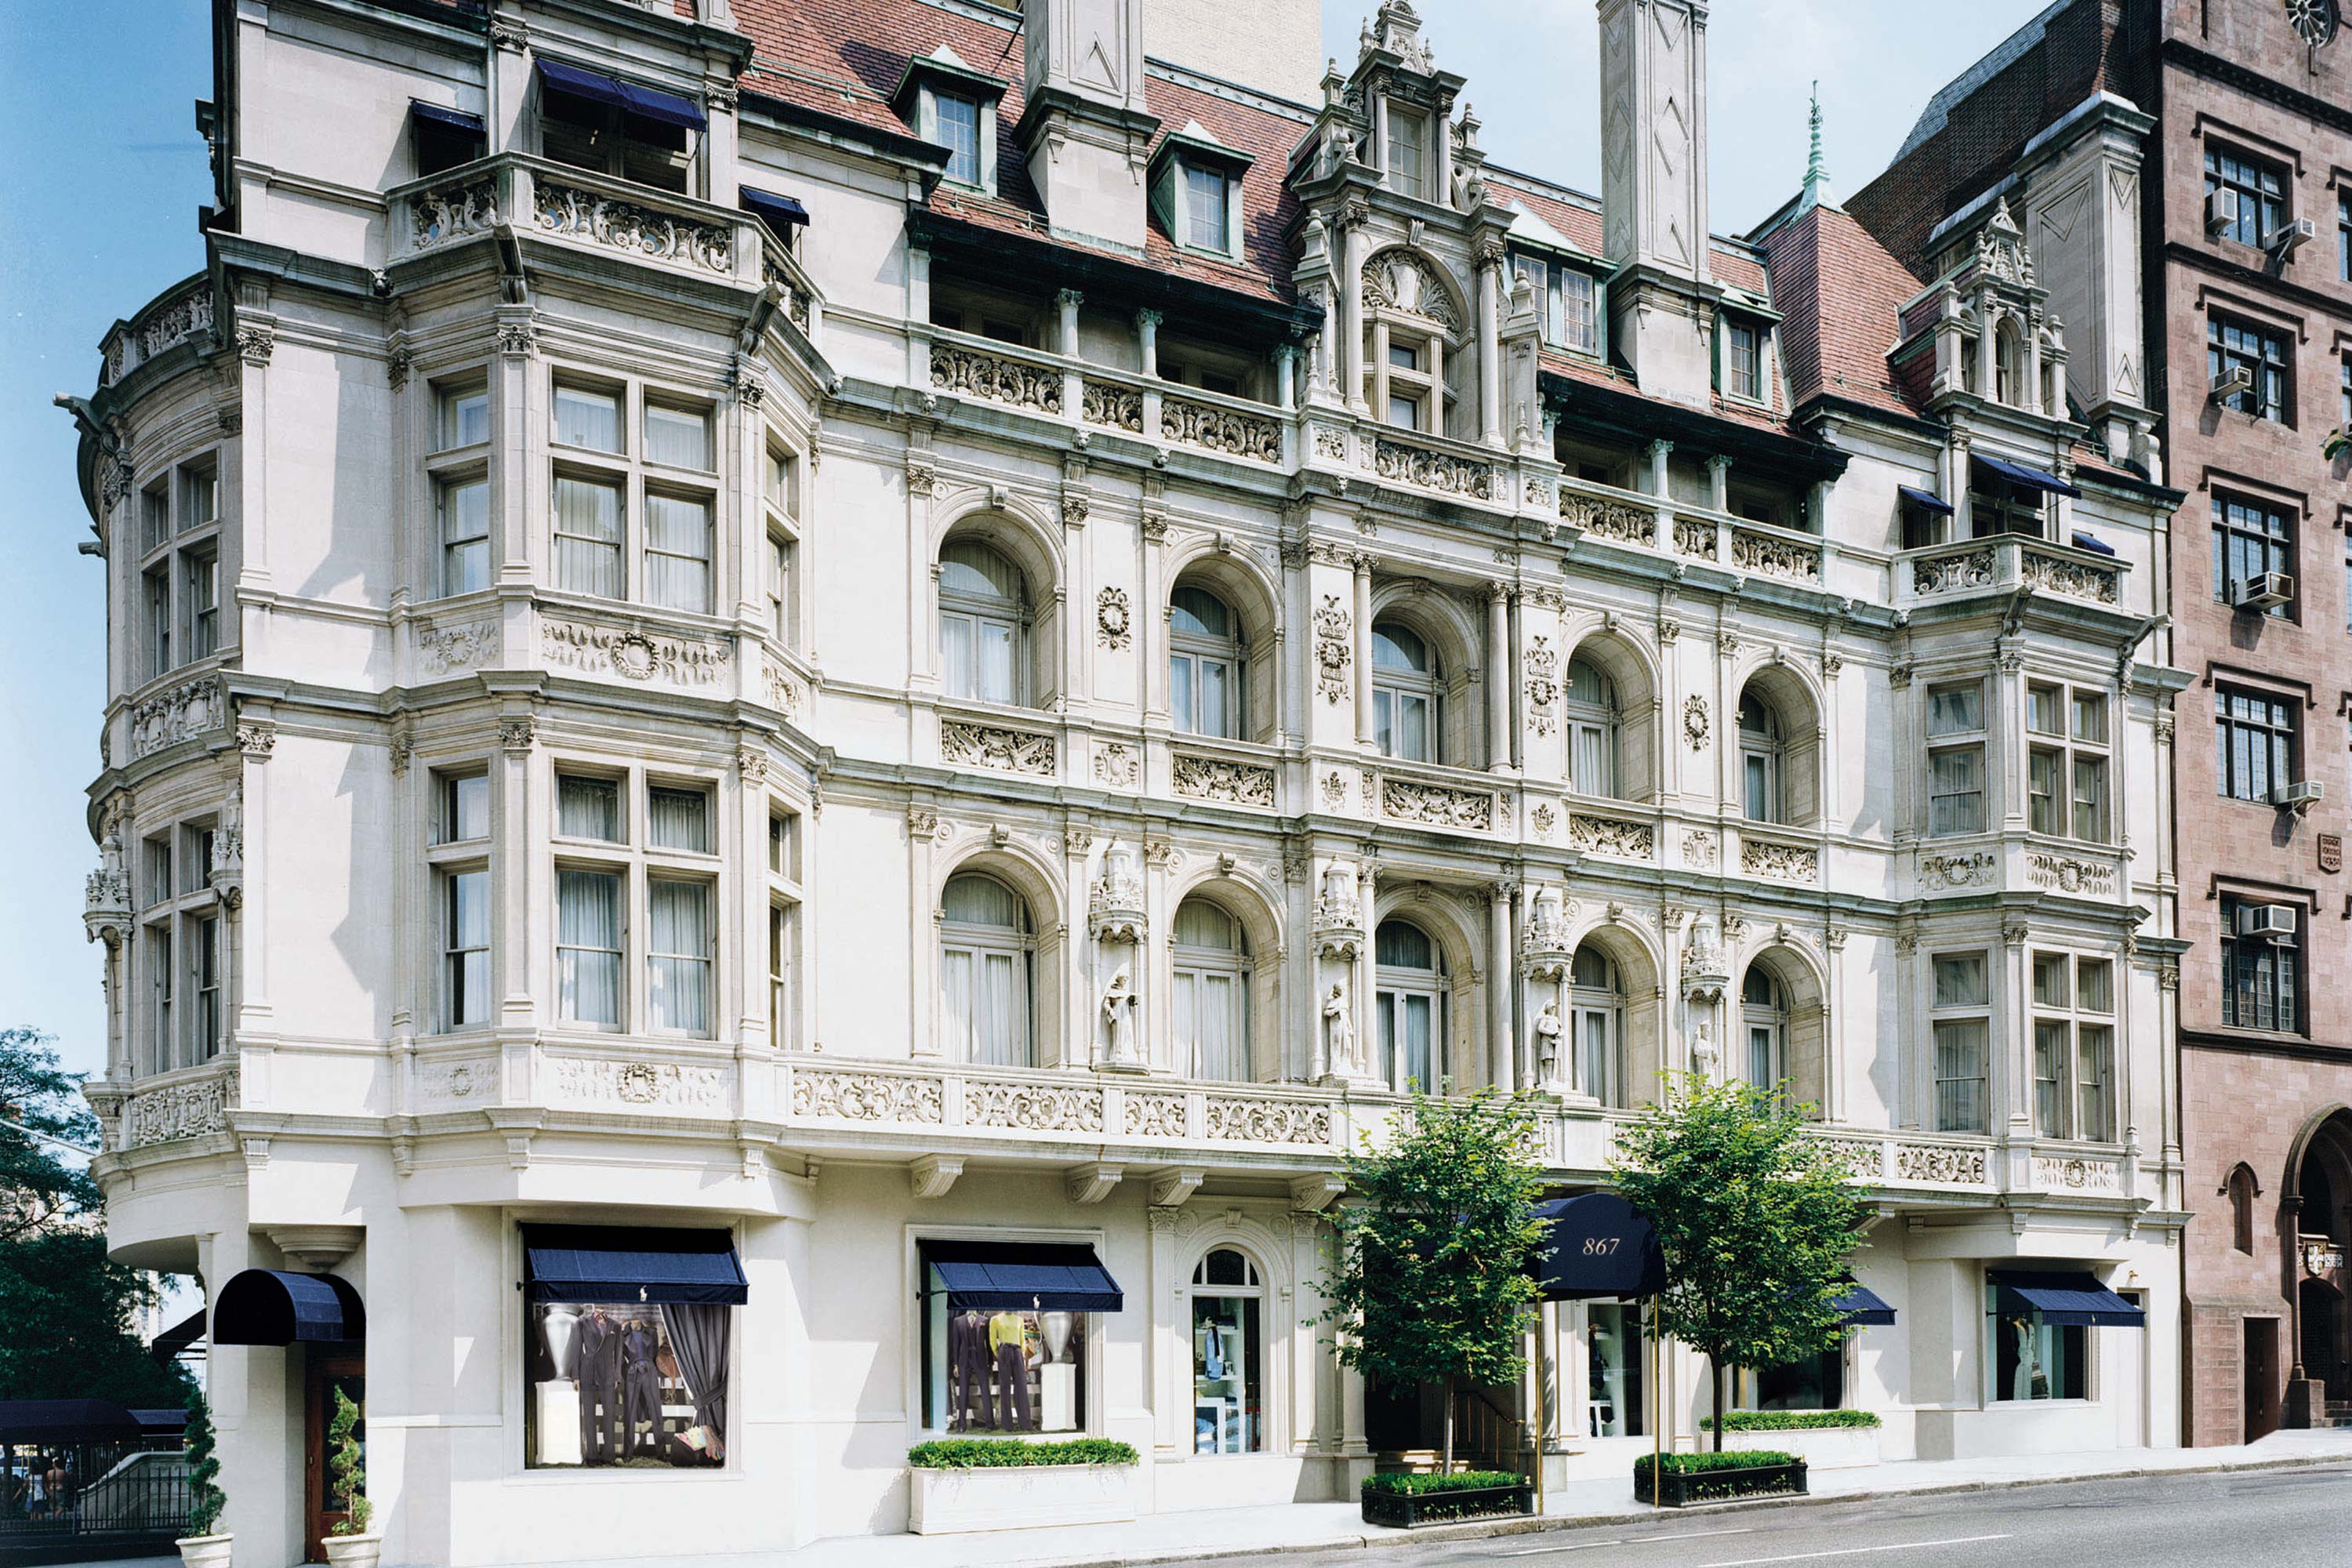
(1613, 1353)
(1007, 1335)
(2035, 1358)
(1228, 1352)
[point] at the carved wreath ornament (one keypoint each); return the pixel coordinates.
(1113, 617)
(1695, 722)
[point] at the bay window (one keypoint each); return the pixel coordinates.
(1961, 1025)
(666, 483)
(636, 893)
(1956, 759)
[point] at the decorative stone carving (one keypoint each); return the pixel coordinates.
(1330, 443)
(1032, 1108)
(634, 655)
(1939, 1162)
(456, 1082)
(1860, 1158)
(444, 649)
(1340, 1035)
(1547, 931)
(256, 342)
(867, 1096)
(1115, 909)
(1406, 464)
(1543, 819)
(1116, 765)
(1249, 1121)
(922, 822)
(1149, 1115)
(106, 896)
(1113, 618)
(2002, 252)
(182, 713)
(1699, 849)
(1693, 537)
(257, 738)
(1542, 662)
(1611, 837)
(1233, 784)
(990, 746)
(1608, 518)
(180, 1110)
(2065, 874)
(1402, 279)
(1438, 805)
(452, 212)
(2076, 1174)
(518, 735)
(635, 1086)
(1780, 862)
(1119, 408)
(1774, 557)
(187, 316)
(1118, 1005)
(973, 373)
(1230, 431)
(626, 226)
(1335, 652)
(2075, 579)
(1696, 725)
(1939, 873)
(1953, 571)
(922, 476)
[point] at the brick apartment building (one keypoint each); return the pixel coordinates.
(2236, 111)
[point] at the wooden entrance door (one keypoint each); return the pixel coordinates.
(2260, 1369)
(328, 1370)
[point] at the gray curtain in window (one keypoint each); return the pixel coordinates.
(698, 1336)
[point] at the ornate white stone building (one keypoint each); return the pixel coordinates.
(907, 655)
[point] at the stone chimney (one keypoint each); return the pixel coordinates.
(1083, 123)
(1654, 192)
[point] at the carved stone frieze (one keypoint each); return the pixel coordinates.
(1118, 407)
(1335, 652)
(1699, 850)
(443, 649)
(1542, 662)
(1114, 618)
(1149, 1115)
(973, 373)
(192, 709)
(1774, 557)
(180, 1110)
(1696, 724)
(1610, 836)
(1953, 571)
(602, 1084)
(1693, 537)
(1860, 1158)
(1249, 1121)
(1404, 463)
(991, 746)
(1939, 873)
(1116, 765)
(1780, 862)
(1233, 784)
(1402, 279)
(2075, 579)
(634, 655)
(452, 212)
(1939, 1162)
(867, 1096)
(2072, 1174)
(627, 226)
(2064, 874)
(1227, 430)
(451, 1083)
(1438, 805)
(1033, 1107)
(1608, 518)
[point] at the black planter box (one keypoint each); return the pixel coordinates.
(1683, 1488)
(1406, 1510)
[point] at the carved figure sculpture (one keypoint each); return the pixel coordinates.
(1339, 1025)
(1118, 1018)
(1548, 1030)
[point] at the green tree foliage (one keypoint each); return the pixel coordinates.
(1431, 1280)
(69, 1309)
(1755, 1220)
(206, 1500)
(347, 1467)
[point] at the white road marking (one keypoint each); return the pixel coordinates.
(1855, 1551)
(1623, 1541)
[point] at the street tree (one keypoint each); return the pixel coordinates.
(1429, 1279)
(1755, 1219)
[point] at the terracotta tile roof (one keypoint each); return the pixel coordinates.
(1840, 294)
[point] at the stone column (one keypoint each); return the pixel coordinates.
(1656, 454)
(1718, 483)
(1066, 303)
(1502, 1036)
(517, 1002)
(1163, 1342)
(1363, 650)
(1501, 675)
(1955, 485)
(1350, 357)
(1150, 617)
(1147, 345)
(1490, 344)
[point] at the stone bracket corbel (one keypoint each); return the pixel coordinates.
(933, 1174)
(1313, 1195)
(1092, 1183)
(1171, 1188)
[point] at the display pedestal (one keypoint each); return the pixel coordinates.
(1058, 1397)
(558, 1422)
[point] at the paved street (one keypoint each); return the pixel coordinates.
(2298, 1517)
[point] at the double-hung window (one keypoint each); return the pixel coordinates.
(1208, 211)
(1589, 705)
(2254, 737)
(637, 894)
(2261, 969)
(1962, 1023)
(460, 468)
(1408, 150)
(2250, 539)
(2262, 353)
(2344, 238)
(459, 858)
(2074, 1046)
(781, 501)
(1743, 364)
(983, 623)
(1408, 1006)
(958, 132)
(1204, 664)
(179, 566)
(1565, 297)
(783, 923)
(1407, 716)
(668, 484)
(2250, 196)
(1956, 759)
(2066, 762)
(1597, 1025)
(183, 949)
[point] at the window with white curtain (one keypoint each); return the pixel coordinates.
(588, 948)
(587, 419)
(677, 437)
(1410, 974)
(1764, 1028)
(1408, 714)
(588, 536)
(780, 501)
(678, 947)
(1956, 759)
(987, 954)
(466, 948)
(1961, 1024)
(179, 565)
(678, 552)
(983, 623)
(1204, 664)
(587, 809)
(679, 819)
(465, 508)
(635, 525)
(1589, 707)
(1761, 750)
(1210, 1002)
(1596, 1016)
(636, 893)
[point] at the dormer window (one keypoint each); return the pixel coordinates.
(1195, 183)
(1408, 150)
(1743, 361)
(1206, 193)
(1567, 301)
(949, 103)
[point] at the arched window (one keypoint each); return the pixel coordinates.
(1410, 974)
(1761, 755)
(2009, 366)
(1596, 1001)
(1590, 699)
(2241, 1191)
(987, 949)
(1228, 1357)
(1206, 685)
(983, 624)
(1407, 707)
(1764, 1025)
(1211, 999)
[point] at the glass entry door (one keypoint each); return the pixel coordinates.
(326, 1372)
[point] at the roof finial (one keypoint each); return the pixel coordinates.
(1817, 174)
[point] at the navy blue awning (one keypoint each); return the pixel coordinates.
(779, 211)
(1022, 1276)
(277, 1307)
(2031, 477)
(2070, 1300)
(2092, 542)
(628, 1263)
(1596, 1245)
(1861, 1305)
(651, 102)
(1926, 500)
(454, 119)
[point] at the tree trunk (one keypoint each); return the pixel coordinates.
(1447, 1463)
(1715, 1381)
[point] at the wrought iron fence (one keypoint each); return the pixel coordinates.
(74, 1503)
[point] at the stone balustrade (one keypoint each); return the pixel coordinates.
(555, 201)
(2005, 563)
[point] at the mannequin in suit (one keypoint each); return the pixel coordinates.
(968, 1373)
(640, 1387)
(602, 1429)
(1006, 1337)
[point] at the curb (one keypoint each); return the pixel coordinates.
(1488, 1530)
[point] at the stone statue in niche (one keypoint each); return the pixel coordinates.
(1547, 1032)
(1340, 1028)
(1337, 906)
(1118, 1018)
(1703, 1052)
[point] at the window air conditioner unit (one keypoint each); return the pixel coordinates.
(2233, 381)
(2289, 237)
(2262, 590)
(2300, 797)
(2220, 211)
(2272, 923)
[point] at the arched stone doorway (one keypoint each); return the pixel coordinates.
(2317, 1207)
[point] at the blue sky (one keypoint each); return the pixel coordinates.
(106, 218)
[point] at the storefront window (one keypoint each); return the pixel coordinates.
(1003, 1371)
(628, 1383)
(1613, 1349)
(1816, 1383)
(2033, 1359)
(1228, 1411)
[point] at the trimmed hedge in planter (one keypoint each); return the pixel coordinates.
(1719, 1478)
(1405, 1501)
(1790, 1420)
(1011, 1453)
